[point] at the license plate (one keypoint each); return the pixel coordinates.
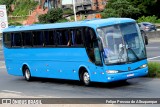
(130, 75)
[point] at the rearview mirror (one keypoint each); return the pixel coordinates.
(145, 38)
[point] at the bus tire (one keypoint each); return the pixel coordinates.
(27, 74)
(86, 78)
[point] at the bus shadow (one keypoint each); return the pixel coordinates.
(78, 83)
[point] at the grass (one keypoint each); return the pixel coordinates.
(154, 69)
(23, 7)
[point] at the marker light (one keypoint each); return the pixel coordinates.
(112, 71)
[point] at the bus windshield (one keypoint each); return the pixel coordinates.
(122, 43)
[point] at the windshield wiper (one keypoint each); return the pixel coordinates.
(133, 53)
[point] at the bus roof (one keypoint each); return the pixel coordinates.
(94, 23)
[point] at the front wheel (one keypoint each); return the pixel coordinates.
(27, 74)
(86, 78)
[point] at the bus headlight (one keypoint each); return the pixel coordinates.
(143, 66)
(112, 71)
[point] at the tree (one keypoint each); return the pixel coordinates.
(119, 8)
(53, 15)
(146, 7)
(156, 9)
(7, 3)
(43, 18)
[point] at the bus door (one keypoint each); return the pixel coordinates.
(95, 66)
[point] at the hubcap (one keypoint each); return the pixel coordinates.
(27, 73)
(86, 78)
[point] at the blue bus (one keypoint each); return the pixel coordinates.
(98, 50)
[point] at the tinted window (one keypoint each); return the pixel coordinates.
(37, 38)
(76, 36)
(27, 38)
(7, 39)
(90, 42)
(89, 37)
(16, 39)
(50, 38)
(62, 37)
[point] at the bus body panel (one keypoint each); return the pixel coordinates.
(49, 63)
(64, 63)
(126, 71)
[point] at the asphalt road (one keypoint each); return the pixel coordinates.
(12, 86)
(153, 51)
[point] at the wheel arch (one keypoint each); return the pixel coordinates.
(83, 68)
(24, 67)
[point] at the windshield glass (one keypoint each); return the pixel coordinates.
(122, 43)
(134, 42)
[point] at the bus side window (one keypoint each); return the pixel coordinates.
(37, 38)
(16, 39)
(70, 40)
(7, 39)
(50, 38)
(78, 37)
(27, 39)
(92, 48)
(62, 37)
(89, 43)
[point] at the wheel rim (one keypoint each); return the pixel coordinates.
(86, 78)
(27, 74)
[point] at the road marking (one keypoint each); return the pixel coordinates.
(154, 60)
(8, 91)
(153, 47)
(153, 57)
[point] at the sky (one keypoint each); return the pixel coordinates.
(66, 2)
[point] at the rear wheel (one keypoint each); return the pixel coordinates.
(86, 78)
(27, 74)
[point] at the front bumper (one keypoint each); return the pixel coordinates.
(127, 75)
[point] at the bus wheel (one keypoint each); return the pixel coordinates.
(86, 78)
(27, 74)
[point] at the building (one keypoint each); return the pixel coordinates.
(81, 5)
(50, 3)
(87, 5)
(99, 4)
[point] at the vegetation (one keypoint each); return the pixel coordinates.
(15, 24)
(21, 10)
(141, 10)
(7, 3)
(152, 19)
(23, 7)
(68, 11)
(154, 69)
(147, 7)
(119, 8)
(137, 9)
(54, 15)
